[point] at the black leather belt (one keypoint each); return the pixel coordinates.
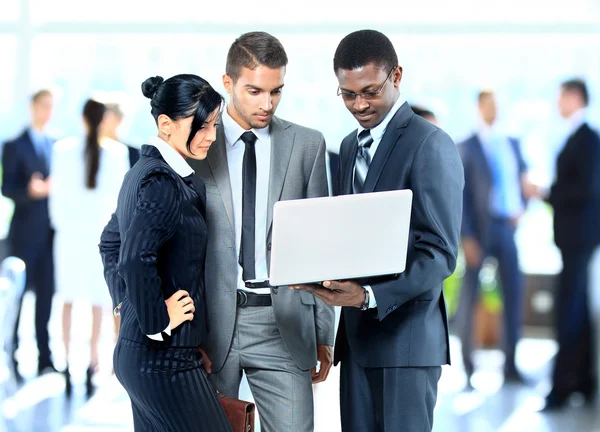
(245, 299)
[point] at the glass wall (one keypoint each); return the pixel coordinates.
(449, 51)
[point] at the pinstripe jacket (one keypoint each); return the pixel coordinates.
(154, 245)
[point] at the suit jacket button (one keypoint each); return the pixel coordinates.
(389, 310)
(269, 247)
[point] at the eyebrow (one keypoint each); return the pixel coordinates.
(260, 89)
(365, 88)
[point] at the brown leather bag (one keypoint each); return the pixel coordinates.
(240, 413)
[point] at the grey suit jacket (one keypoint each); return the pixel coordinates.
(297, 171)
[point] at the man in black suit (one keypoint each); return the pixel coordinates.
(575, 198)
(393, 333)
(25, 180)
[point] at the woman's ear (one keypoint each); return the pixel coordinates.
(164, 124)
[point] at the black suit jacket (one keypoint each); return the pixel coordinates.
(409, 326)
(154, 245)
(478, 185)
(575, 195)
(30, 225)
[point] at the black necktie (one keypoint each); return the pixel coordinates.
(248, 242)
(363, 160)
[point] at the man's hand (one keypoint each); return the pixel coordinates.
(207, 362)
(472, 251)
(38, 188)
(530, 189)
(335, 293)
(324, 356)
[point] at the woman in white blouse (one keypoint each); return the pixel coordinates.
(86, 177)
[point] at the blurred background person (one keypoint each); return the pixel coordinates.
(575, 198)
(26, 181)
(494, 193)
(88, 175)
(115, 103)
(425, 113)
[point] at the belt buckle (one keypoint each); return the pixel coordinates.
(242, 298)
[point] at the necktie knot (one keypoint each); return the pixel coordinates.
(249, 138)
(365, 139)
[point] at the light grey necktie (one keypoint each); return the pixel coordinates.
(363, 160)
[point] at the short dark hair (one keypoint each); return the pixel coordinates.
(39, 94)
(182, 96)
(363, 47)
(422, 112)
(579, 86)
(254, 49)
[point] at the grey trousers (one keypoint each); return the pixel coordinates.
(283, 393)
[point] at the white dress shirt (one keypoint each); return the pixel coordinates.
(235, 158)
(506, 202)
(377, 134)
(575, 121)
(181, 167)
(378, 131)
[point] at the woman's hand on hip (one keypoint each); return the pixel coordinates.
(180, 307)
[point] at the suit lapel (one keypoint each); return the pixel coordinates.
(481, 158)
(388, 141)
(282, 142)
(38, 163)
(217, 160)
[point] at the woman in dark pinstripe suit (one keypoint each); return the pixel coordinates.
(153, 251)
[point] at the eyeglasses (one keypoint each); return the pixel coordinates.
(367, 95)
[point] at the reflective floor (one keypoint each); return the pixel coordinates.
(40, 404)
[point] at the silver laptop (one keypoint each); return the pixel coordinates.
(340, 238)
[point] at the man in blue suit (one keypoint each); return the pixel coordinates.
(393, 332)
(25, 180)
(493, 201)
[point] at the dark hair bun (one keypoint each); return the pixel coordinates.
(150, 86)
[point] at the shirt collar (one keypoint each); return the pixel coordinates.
(171, 157)
(36, 136)
(378, 131)
(576, 120)
(233, 131)
(485, 131)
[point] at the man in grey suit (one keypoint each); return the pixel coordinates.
(273, 334)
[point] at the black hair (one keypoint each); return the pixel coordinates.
(254, 49)
(579, 86)
(362, 48)
(422, 112)
(93, 113)
(182, 96)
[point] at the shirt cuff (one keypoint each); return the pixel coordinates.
(372, 300)
(159, 336)
(117, 310)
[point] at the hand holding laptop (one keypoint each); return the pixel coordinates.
(366, 236)
(336, 293)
